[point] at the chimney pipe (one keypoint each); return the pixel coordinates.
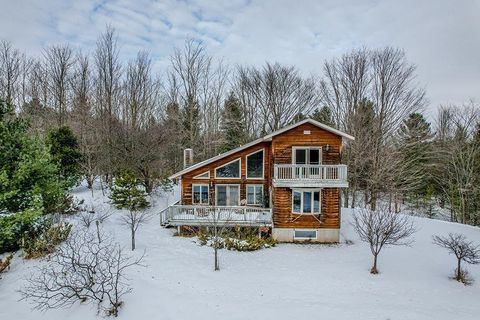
(187, 158)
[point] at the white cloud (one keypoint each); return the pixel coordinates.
(440, 37)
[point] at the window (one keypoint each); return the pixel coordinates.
(307, 155)
(229, 170)
(255, 165)
(306, 201)
(200, 194)
(227, 195)
(205, 175)
(305, 234)
(255, 194)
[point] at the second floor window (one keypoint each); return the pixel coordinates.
(255, 165)
(229, 170)
(307, 155)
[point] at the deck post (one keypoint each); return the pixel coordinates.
(179, 230)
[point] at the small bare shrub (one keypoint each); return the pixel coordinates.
(463, 250)
(5, 263)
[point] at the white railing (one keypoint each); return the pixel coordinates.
(209, 215)
(336, 174)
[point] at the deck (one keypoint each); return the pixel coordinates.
(310, 176)
(196, 215)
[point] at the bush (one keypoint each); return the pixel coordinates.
(5, 263)
(14, 226)
(239, 239)
(43, 238)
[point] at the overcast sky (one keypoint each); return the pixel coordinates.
(441, 37)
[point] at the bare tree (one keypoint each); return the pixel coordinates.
(218, 219)
(463, 250)
(10, 71)
(59, 61)
(382, 228)
(134, 219)
(81, 270)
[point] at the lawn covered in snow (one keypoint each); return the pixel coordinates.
(285, 282)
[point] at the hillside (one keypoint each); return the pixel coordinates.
(284, 282)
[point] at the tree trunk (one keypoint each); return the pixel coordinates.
(345, 198)
(459, 271)
(133, 237)
(97, 223)
(217, 266)
(374, 268)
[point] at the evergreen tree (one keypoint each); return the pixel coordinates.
(233, 125)
(323, 115)
(191, 124)
(65, 151)
(126, 194)
(173, 148)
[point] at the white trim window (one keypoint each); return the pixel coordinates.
(255, 164)
(255, 194)
(227, 194)
(230, 170)
(304, 234)
(205, 175)
(307, 155)
(306, 201)
(200, 194)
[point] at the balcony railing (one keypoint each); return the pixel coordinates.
(197, 215)
(304, 175)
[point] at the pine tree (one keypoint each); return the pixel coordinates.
(233, 125)
(323, 115)
(126, 194)
(65, 151)
(173, 126)
(191, 124)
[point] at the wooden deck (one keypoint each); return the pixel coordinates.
(196, 215)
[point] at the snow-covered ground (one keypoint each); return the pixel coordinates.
(285, 282)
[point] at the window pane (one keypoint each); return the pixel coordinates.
(300, 156)
(314, 156)
(309, 234)
(196, 194)
(205, 194)
(231, 170)
(255, 165)
(297, 201)
(307, 202)
(221, 195)
(259, 195)
(316, 201)
(233, 195)
(250, 195)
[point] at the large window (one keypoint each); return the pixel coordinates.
(255, 194)
(306, 201)
(229, 170)
(200, 194)
(255, 165)
(227, 195)
(307, 155)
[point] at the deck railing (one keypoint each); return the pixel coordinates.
(209, 215)
(327, 174)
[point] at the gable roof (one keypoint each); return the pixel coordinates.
(257, 141)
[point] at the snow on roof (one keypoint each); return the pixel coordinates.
(265, 138)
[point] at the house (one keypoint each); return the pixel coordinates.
(288, 181)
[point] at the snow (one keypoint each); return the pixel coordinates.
(288, 281)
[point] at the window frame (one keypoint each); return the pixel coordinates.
(208, 193)
(255, 186)
(228, 193)
(225, 164)
(263, 164)
(312, 201)
(199, 176)
(305, 238)
(307, 154)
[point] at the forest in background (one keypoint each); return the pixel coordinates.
(125, 116)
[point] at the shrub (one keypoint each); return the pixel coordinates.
(44, 238)
(238, 239)
(5, 263)
(14, 226)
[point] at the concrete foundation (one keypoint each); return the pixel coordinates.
(323, 235)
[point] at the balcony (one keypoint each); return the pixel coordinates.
(198, 215)
(310, 176)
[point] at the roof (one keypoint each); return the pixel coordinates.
(257, 141)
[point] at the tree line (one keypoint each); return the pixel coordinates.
(126, 116)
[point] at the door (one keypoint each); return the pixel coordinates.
(227, 195)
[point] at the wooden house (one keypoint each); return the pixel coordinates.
(288, 181)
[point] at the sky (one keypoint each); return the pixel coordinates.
(442, 37)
